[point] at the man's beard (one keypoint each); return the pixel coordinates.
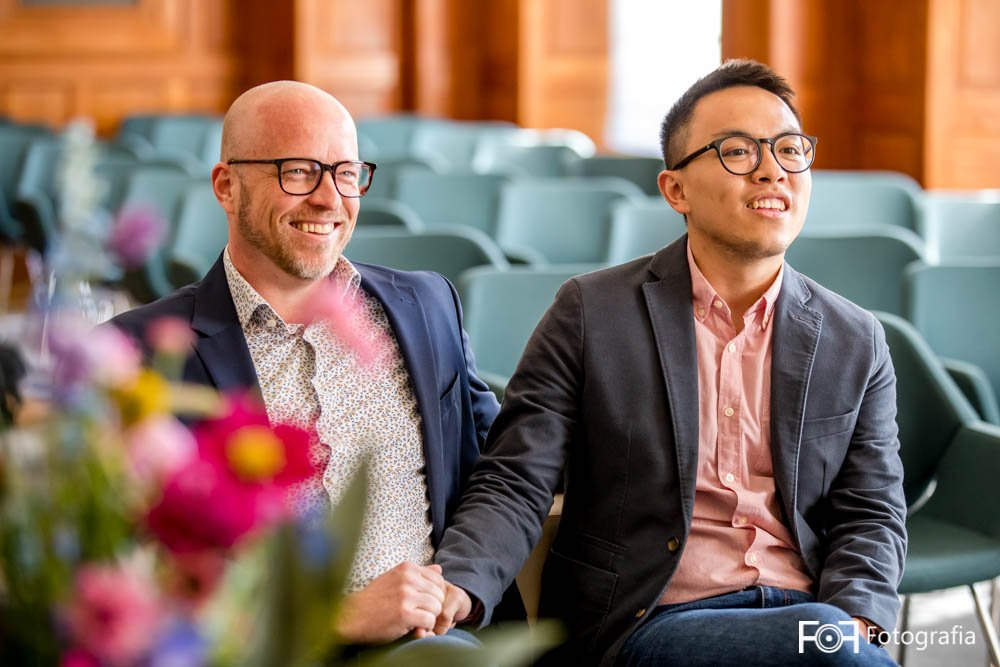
(273, 249)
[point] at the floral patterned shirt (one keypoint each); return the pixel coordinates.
(309, 378)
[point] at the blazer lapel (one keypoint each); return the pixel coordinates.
(793, 350)
(406, 316)
(669, 302)
(221, 345)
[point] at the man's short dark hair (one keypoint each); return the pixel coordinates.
(730, 74)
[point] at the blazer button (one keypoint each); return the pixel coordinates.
(673, 544)
(640, 613)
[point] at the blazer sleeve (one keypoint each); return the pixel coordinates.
(511, 487)
(866, 539)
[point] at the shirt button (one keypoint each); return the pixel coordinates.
(701, 312)
(729, 412)
(673, 544)
(732, 347)
(640, 613)
(752, 558)
(271, 323)
(730, 477)
(717, 303)
(741, 521)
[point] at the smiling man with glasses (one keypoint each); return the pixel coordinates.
(725, 425)
(291, 182)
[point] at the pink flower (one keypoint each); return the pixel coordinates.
(113, 615)
(158, 446)
(349, 321)
(83, 354)
(138, 230)
(196, 575)
(170, 335)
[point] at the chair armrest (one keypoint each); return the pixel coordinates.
(495, 381)
(967, 491)
(976, 386)
(524, 255)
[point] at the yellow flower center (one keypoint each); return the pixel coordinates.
(255, 453)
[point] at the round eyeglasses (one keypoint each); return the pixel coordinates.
(741, 155)
(301, 176)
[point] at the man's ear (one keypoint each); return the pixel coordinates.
(224, 187)
(672, 188)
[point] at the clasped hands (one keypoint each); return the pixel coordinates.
(409, 598)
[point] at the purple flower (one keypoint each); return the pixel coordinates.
(84, 355)
(137, 232)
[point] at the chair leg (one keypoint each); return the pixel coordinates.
(904, 625)
(995, 602)
(992, 643)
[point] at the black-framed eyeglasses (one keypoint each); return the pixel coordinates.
(301, 176)
(741, 155)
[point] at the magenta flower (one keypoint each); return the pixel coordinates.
(170, 335)
(239, 481)
(113, 615)
(137, 232)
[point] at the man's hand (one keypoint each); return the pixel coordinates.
(406, 598)
(867, 629)
(456, 607)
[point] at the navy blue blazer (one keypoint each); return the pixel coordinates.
(607, 388)
(456, 407)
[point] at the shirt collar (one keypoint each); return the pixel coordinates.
(248, 301)
(704, 296)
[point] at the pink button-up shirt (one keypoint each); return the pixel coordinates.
(737, 536)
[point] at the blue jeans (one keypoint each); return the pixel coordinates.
(761, 625)
(461, 645)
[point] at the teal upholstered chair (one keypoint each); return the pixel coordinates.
(532, 153)
(643, 171)
(453, 198)
(642, 226)
(377, 212)
(863, 264)
(452, 144)
(200, 234)
(951, 462)
(502, 308)
(560, 220)
(863, 198)
(961, 226)
(956, 308)
(447, 250)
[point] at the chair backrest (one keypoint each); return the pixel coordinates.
(956, 307)
(958, 227)
(453, 198)
(385, 180)
(565, 220)
(448, 251)
(642, 226)
(377, 212)
(862, 198)
(865, 265)
(14, 142)
(532, 153)
(930, 407)
(502, 308)
(160, 187)
(452, 144)
(200, 234)
(188, 137)
(36, 199)
(392, 135)
(642, 171)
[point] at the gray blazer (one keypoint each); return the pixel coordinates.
(608, 389)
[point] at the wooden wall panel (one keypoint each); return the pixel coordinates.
(352, 49)
(963, 96)
(104, 62)
(563, 64)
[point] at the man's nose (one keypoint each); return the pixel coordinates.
(326, 194)
(769, 169)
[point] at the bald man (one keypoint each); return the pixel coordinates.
(290, 182)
